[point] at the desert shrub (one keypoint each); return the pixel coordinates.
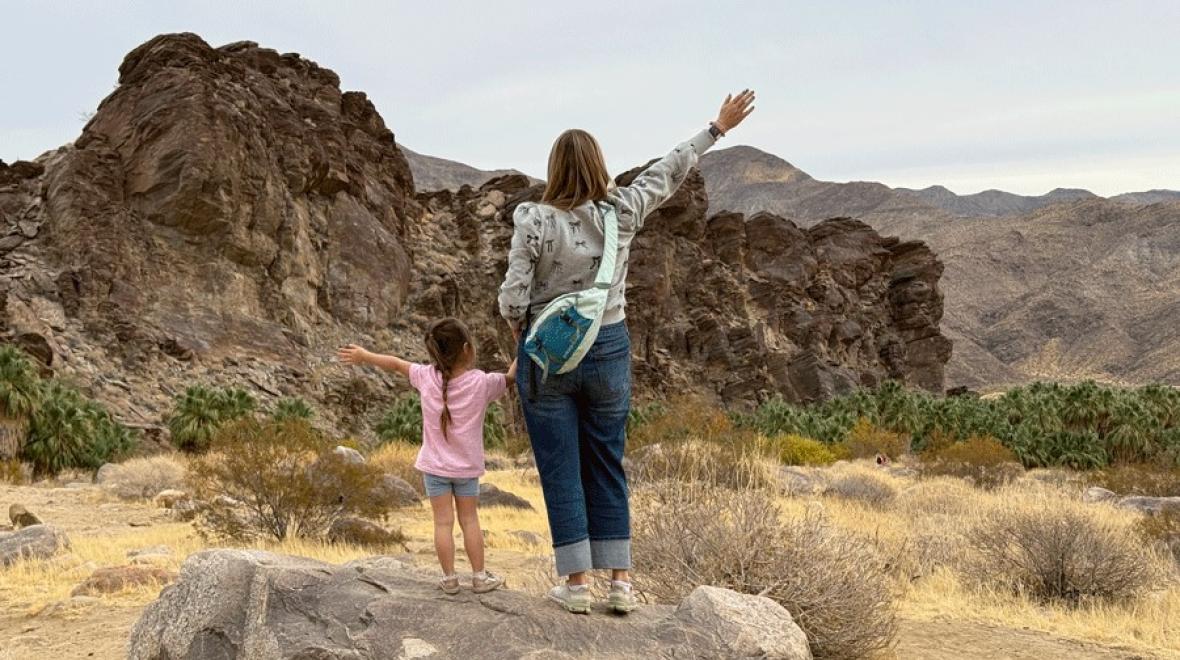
(292, 408)
(798, 450)
(737, 465)
(1138, 479)
(146, 477)
(946, 496)
(863, 487)
(982, 460)
(1059, 553)
(20, 395)
(13, 471)
(397, 458)
(68, 430)
(832, 582)
(402, 422)
(681, 418)
(277, 479)
(200, 411)
(866, 441)
(1164, 529)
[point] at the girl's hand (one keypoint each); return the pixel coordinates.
(734, 109)
(353, 354)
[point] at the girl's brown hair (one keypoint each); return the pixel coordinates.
(577, 171)
(446, 342)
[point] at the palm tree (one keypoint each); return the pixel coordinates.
(195, 418)
(20, 388)
(292, 408)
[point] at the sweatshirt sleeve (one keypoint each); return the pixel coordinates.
(654, 185)
(517, 289)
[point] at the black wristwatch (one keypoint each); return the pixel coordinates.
(714, 131)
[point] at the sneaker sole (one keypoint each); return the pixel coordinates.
(623, 608)
(573, 609)
(486, 590)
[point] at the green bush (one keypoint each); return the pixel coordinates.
(70, 431)
(200, 411)
(292, 408)
(402, 422)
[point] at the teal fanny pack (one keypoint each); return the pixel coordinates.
(562, 333)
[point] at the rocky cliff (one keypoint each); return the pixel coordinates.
(230, 215)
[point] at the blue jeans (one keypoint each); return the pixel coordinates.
(577, 424)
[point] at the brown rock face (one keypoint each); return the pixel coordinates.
(229, 215)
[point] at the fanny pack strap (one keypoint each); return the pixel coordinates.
(610, 247)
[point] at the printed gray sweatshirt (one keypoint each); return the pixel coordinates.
(555, 252)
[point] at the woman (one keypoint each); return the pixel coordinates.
(577, 420)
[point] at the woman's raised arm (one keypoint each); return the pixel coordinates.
(654, 185)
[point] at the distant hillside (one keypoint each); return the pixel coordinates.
(432, 173)
(747, 180)
(1062, 285)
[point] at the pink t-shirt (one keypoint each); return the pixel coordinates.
(459, 455)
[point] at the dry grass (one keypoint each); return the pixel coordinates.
(145, 477)
(397, 458)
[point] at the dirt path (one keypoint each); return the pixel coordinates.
(966, 640)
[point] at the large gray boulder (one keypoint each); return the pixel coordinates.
(253, 604)
(33, 542)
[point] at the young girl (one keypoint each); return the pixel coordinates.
(455, 397)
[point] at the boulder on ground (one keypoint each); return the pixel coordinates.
(36, 542)
(490, 495)
(106, 474)
(1151, 505)
(110, 579)
(1097, 494)
(22, 517)
(349, 455)
(797, 480)
(359, 531)
(397, 491)
(752, 626)
(254, 604)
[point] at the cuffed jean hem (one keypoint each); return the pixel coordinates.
(573, 558)
(611, 553)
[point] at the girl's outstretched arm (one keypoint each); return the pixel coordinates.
(353, 354)
(511, 375)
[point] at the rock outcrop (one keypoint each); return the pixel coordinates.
(230, 216)
(253, 604)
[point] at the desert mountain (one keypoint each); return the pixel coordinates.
(433, 173)
(229, 215)
(748, 180)
(1064, 285)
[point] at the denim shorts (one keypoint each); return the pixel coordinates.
(436, 485)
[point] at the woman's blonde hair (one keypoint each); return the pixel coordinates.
(577, 171)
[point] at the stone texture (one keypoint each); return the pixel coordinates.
(1098, 494)
(117, 578)
(754, 627)
(253, 604)
(1150, 505)
(36, 542)
(490, 495)
(358, 531)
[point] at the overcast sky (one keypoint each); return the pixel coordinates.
(1024, 96)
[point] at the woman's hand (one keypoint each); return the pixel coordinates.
(734, 109)
(353, 354)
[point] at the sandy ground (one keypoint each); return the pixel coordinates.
(99, 629)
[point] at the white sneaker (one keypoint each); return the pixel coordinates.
(573, 599)
(621, 598)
